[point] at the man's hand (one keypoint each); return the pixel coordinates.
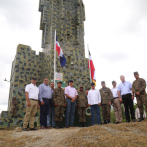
(73, 99)
(42, 103)
(133, 98)
(55, 105)
(64, 105)
(99, 104)
(120, 100)
(109, 103)
(38, 106)
(28, 103)
(137, 93)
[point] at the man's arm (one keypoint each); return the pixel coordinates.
(119, 95)
(143, 86)
(27, 98)
(69, 96)
(99, 98)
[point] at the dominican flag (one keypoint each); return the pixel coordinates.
(92, 69)
(60, 53)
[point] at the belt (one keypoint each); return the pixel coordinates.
(115, 97)
(46, 99)
(126, 94)
(33, 99)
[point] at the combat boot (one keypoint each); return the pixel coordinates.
(84, 124)
(108, 122)
(57, 124)
(141, 117)
(60, 126)
(105, 122)
(81, 124)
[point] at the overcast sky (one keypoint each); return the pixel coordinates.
(116, 31)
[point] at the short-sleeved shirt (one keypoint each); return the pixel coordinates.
(125, 88)
(33, 91)
(71, 91)
(114, 92)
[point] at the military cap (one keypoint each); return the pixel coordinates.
(81, 86)
(113, 81)
(70, 81)
(59, 82)
(34, 78)
(136, 73)
(103, 82)
(92, 84)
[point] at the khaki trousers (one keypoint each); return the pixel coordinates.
(117, 110)
(30, 114)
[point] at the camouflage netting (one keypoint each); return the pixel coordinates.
(67, 18)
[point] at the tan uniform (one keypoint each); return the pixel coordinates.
(139, 86)
(106, 97)
(59, 99)
(82, 103)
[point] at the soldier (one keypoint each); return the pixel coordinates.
(82, 103)
(138, 90)
(59, 103)
(14, 107)
(106, 96)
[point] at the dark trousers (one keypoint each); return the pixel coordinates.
(44, 110)
(70, 112)
(95, 108)
(128, 103)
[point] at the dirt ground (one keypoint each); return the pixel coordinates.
(120, 135)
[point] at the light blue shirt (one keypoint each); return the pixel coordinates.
(44, 92)
(125, 88)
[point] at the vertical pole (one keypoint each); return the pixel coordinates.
(89, 63)
(55, 58)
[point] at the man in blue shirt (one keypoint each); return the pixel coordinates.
(125, 95)
(45, 96)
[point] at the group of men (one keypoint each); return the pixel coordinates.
(54, 101)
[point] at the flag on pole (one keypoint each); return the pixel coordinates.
(92, 69)
(60, 53)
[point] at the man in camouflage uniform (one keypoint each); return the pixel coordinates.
(59, 103)
(14, 107)
(138, 90)
(82, 103)
(106, 97)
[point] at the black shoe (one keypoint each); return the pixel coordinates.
(33, 129)
(133, 120)
(24, 129)
(81, 124)
(84, 124)
(54, 126)
(108, 121)
(141, 117)
(60, 126)
(105, 122)
(127, 121)
(67, 126)
(57, 124)
(73, 126)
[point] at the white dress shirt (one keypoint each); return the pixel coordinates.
(114, 92)
(137, 113)
(94, 97)
(71, 91)
(33, 91)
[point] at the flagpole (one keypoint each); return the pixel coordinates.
(89, 64)
(55, 58)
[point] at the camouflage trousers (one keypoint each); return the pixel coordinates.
(105, 111)
(59, 110)
(141, 100)
(14, 112)
(82, 114)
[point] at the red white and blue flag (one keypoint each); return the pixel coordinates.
(60, 53)
(92, 69)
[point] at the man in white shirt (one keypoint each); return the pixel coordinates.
(71, 96)
(31, 93)
(116, 103)
(137, 113)
(125, 96)
(94, 101)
